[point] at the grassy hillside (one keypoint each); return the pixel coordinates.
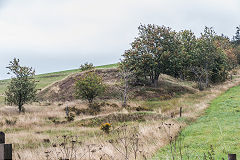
(219, 127)
(42, 123)
(48, 78)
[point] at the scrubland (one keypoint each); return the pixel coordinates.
(35, 133)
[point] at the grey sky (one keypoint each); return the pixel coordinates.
(54, 35)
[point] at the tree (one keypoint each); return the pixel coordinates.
(209, 58)
(89, 86)
(223, 43)
(22, 88)
(236, 38)
(150, 52)
(126, 78)
(185, 57)
(158, 49)
(207, 49)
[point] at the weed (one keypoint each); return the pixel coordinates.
(143, 108)
(127, 143)
(106, 127)
(94, 108)
(70, 117)
(10, 122)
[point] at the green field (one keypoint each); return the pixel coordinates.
(219, 127)
(49, 78)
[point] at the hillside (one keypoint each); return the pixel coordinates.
(150, 110)
(48, 78)
(63, 90)
(34, 132)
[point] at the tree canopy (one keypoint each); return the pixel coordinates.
(160, 50)
(22, 88)
(89, 86)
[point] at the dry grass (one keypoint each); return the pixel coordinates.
(31, 128)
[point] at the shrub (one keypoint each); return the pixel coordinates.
(94, 108)
(87, 66)
(89, 86)
(143, 108)
(70, 117)
(106, 127)
(10, 122)
(114, 105)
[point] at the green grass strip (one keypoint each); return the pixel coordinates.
(219, 127)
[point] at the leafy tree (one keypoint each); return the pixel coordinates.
(236, 52)
(185, 58)
(22, 88)
(158, 49)
(210, 58)
(207, 50)
(223, 43)
(148, 56)
(236, 42)
(236, 38)
(89, 86)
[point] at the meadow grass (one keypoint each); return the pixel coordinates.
(219, 127)
(175, 102)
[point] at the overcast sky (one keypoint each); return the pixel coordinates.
(54, 35)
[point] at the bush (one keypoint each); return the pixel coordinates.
(87, 66)
(89, 86)
(106, 127)
(94, 108)
(141, 108)
(70, 117)
(10, 122)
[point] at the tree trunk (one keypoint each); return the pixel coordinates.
(156, 80)
(90, 101)
(20, 103)
(125, 94)
(200, 85)
(207, 76)
(20, 108)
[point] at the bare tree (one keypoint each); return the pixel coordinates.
(125, 75)
(200, 74)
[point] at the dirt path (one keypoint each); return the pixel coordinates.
(192, 112)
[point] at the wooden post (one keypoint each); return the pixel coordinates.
(2, 137)
(5, 149)
(180, 113)
(67, 111)
(232, 157)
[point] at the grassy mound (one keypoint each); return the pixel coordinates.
(47, 79)
(168, 87)
(114, 118)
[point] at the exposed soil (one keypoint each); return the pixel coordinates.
(64, 90)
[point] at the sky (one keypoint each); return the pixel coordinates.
(55, 35)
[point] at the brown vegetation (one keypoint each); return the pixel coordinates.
(64, 90)
(36, 130)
